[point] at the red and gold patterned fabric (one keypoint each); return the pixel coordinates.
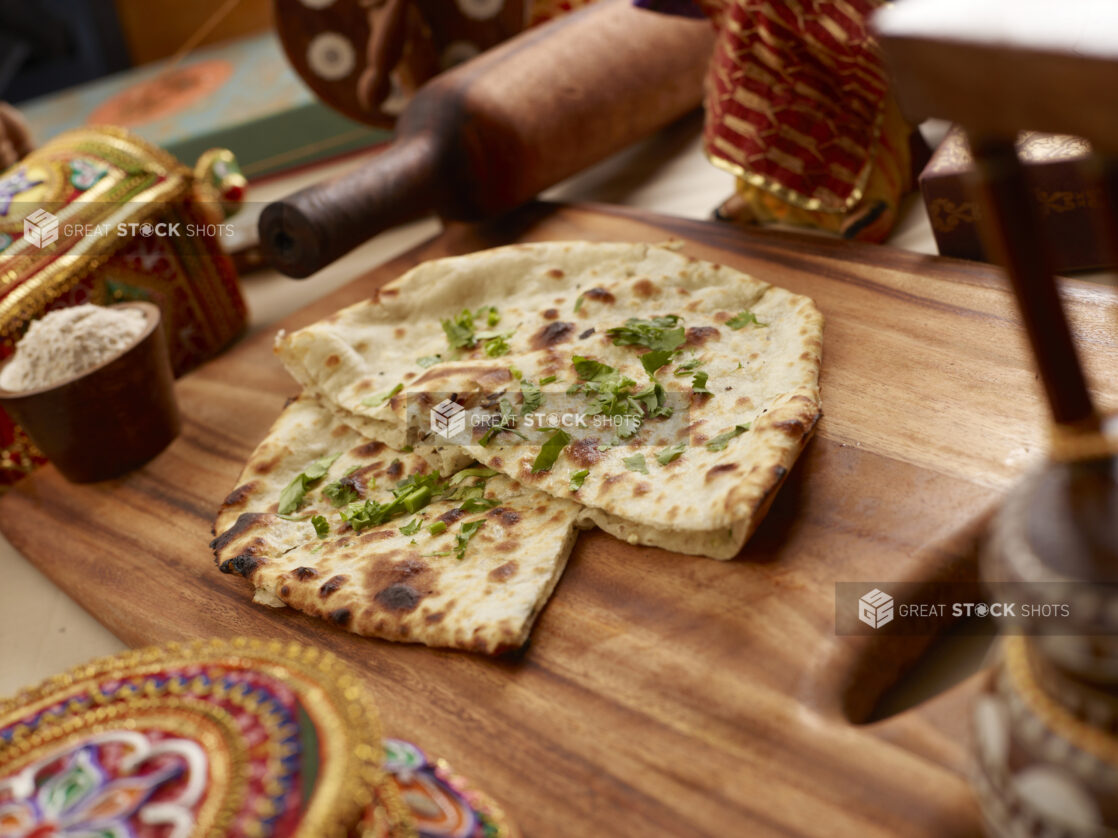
(100, 216)
(796, 97)
(798, 108)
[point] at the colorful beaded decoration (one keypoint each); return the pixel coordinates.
(238, 738)
(442, 804)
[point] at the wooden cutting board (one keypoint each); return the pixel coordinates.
(660, 694)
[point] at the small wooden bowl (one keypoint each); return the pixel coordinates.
(109, 419)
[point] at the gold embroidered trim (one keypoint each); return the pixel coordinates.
(343, 715)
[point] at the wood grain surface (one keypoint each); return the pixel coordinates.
(660, 694)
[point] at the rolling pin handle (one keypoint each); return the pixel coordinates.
(308, 230)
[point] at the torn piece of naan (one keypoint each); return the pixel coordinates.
(374, 540)
(709, 379)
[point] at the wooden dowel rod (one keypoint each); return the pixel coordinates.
(1013, 236)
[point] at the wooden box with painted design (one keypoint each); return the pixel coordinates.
(1068, 201)
(99, 216)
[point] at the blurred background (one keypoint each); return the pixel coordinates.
(54, 44)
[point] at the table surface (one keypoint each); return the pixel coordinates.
(42, 631)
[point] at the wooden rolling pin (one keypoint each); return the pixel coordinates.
(492, 133)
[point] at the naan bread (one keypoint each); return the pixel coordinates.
(556, 301)
(380, 581)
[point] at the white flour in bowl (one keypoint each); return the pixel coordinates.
(67, 342)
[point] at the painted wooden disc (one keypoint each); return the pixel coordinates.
(237, 738)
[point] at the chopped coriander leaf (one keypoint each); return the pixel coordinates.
(578, 302)
(654, 359)
(489, 314)
(410, 495)
(743, 319)
(407, 449)
(437, 527)
(662, 333)
(412, 526)
(577, 478)
(317, 470)
(654, 399)
(720, 442)
(361, 515)
(636, 463)
(551, 379)
(463, 538)
(699, 384)
(467, 492)
(476, 471)
(588, 369)
(671, 453)
(507, 422)
(478, 504)
(321, 528)
(612, 394)
(437, 555)
(432, 481)
(460, 330)
(688, 367)
(416, 499)
(341, 492)
(381, 398)
(497, 346)
(294, 493)
(549, 451)
(533, 397)
(515, 373)
(429, 360)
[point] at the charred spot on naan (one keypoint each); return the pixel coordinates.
(719, 470)
(697, 336)
(452, 516)
(245, 523)
(585, 451)
(240, 495)
(332, 584)
(504, 572)
(267, 466)
(599, 295)
(505, 516)
(244, 564)
(399, 597)
(400, 586)
(551, 334)
(369, 449)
